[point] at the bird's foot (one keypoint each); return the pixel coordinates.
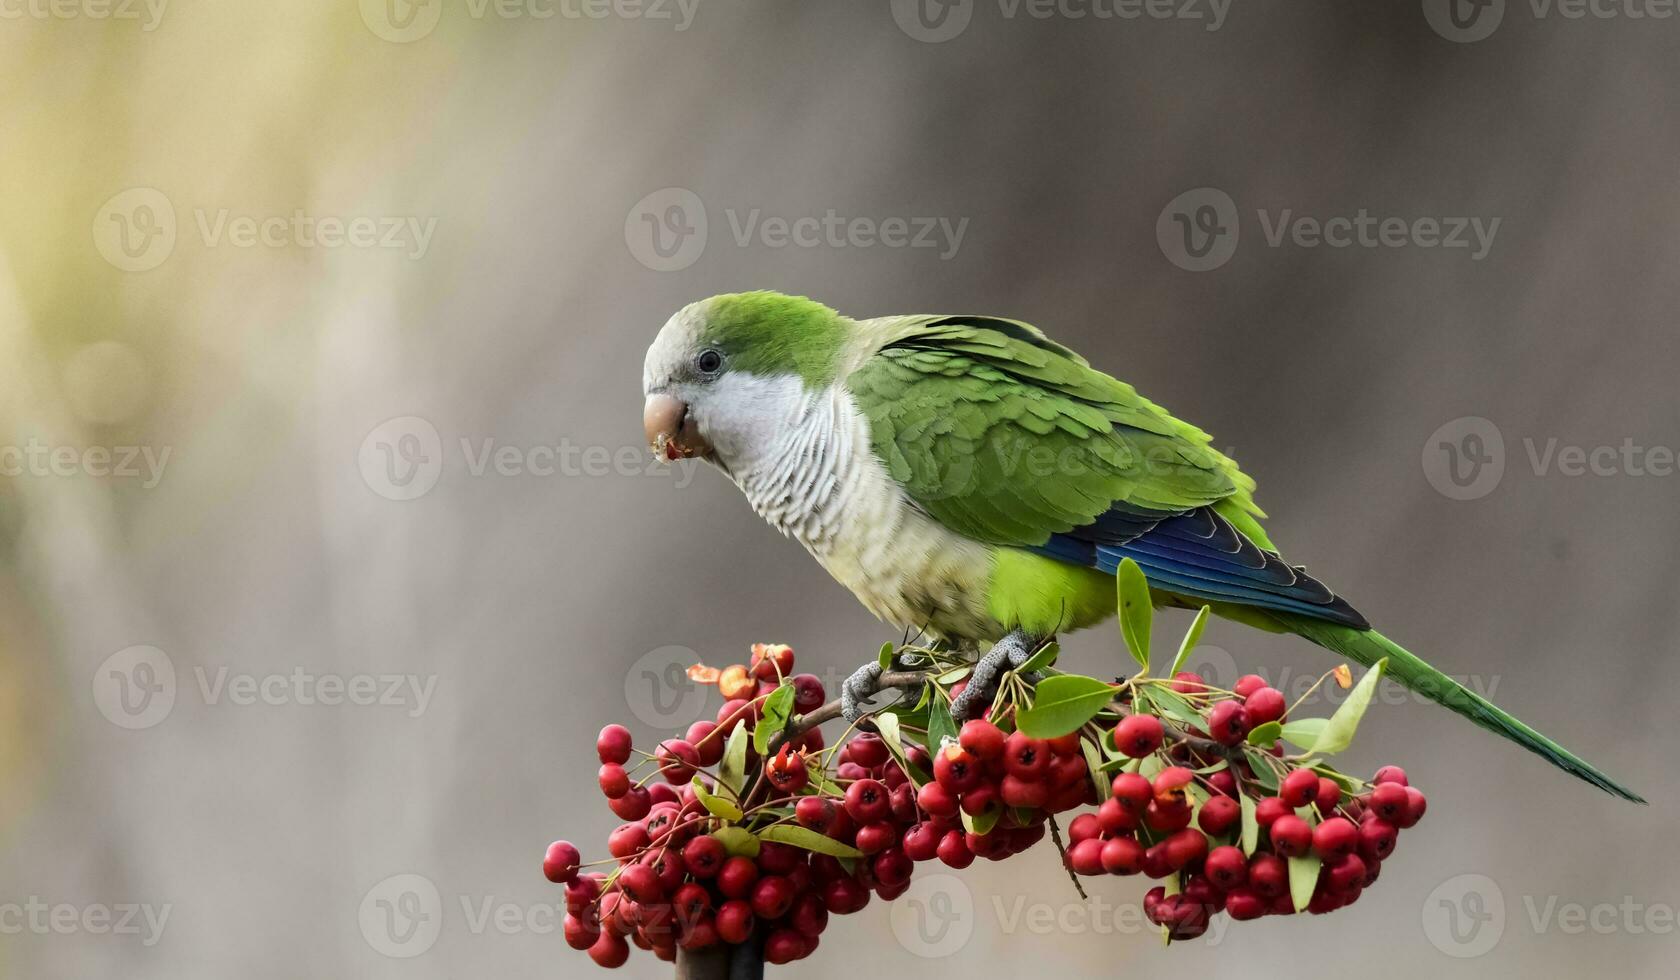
(1009, 653)
(864, 684)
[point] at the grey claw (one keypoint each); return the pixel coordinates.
(858, 688)
(1012, 651)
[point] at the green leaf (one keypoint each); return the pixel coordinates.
(885, 659)
(732, 768)
(1063, 703)
(1172, 704)
(1338, 733)
(717, 806)
(887, 724)
(955, 674)
(1260, 762)
(1191, 638)
(1150, 766)
(777, 709)
(1304, 732)
(940, 723)
(1266, 735)
(1041, 659)
(1250, 825)
(738, 841)
(1303, 878)
(810, 840)
(1347, 783)
(1135, 610)
(982, 824)
(1094, 762)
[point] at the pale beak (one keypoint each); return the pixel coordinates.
(671, 433)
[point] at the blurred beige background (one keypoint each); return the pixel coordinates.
(238, 239)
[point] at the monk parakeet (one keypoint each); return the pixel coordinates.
(969, 477)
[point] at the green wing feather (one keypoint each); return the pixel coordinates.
(1007, 437)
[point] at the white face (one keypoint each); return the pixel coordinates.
(740, 417)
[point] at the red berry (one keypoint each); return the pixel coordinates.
(957, 769)
(873, 838)
(1169, 784)
(1084, 827)
(1347, 873)
(1269, 809)
(867, 750)
(809, 916)
(771, 897)
(1377, 838)
(641, 883)
(1132, 792)
(1329, 795)
(1085, 857)
(892, 866)
(613, 744)
(787, 772)
(1223, 783)
(1026, 758)
(868, 801)
(978, 800)
(1168, 818)
(814, 813)
(1122, 856)
(1067, 745)
(921, 842)
(609, 951)
(1243, 904)
(1023, 793)
(581, 933)
(779, 859)
(737, 877)
(627, 840)
(1391, 774)
(633, 805)
(736, 712)
(771, 661)
(582, 892)
(1247, 684)
(707, 741)
(1226, 867)
(1218, 815)
(843, 896)
(1268, 875)
(704, 856)
(1228, 722)
(1067, 770)
(953, 850)
(613, 780)
(1186, 847)
(734, 921)
(1299, 788)
(1291, 836)
(1264, 705)
(677, 760)
(936, 800)
(808, 693)
(1155, 863)
(785, 946)
(1415, 807)
(560, 864)
(1139, 735)
(982, 738)
(1188, 682)
(1112, 817)
(1334, 839)
(1389, 801)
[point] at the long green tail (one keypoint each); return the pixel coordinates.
(1368, 646)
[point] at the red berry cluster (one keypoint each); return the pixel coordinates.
(1186, 823)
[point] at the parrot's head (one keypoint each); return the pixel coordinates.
(724, 374)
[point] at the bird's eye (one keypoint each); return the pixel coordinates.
(708, 361)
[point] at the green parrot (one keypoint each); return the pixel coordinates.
(971, 478)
